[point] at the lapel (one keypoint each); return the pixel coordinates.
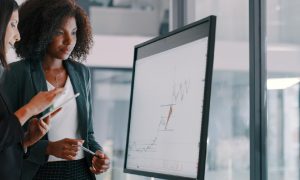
(78, 87)
(38, 78)
(38, 81)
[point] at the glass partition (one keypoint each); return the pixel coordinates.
(283, 73)
(111, 94)
(228, 153)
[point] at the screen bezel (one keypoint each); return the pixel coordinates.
(192, 32)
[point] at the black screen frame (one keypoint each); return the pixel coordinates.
(200, 29)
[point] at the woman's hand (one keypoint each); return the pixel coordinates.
(100, 163)
(43, 100)
(37, 129)
(37, 104)
(65, 148)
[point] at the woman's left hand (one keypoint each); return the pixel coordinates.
(100, 163)
(37, 129)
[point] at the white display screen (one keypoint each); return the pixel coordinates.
(166, 111)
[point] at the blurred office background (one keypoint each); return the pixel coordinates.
(118, 25)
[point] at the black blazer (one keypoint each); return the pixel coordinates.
(11, 135)
(24, 79)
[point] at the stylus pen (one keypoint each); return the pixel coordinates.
(87, 150)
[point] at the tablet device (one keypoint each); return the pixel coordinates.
(61, 105)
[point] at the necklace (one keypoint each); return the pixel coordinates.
(57, 76)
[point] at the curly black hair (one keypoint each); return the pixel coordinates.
(39, 19)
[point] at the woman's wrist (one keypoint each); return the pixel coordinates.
(49, 148)
(31, 109)
(24, 113)
(26, 141)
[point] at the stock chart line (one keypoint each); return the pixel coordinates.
(179, 92)
(169, 115)
(143, 147)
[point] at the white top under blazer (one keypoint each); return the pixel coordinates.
(65, 123)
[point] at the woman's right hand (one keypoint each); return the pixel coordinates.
(37, 104)
(43, 100)
(65, 148)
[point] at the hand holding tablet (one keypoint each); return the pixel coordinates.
(60, 106)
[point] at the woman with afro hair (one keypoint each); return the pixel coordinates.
(56, 38)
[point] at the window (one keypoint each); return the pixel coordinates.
(118, 26)
(228, 153)
(283, 72)
(111, 94)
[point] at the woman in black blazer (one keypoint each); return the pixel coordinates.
(56, 37)
(12, 139)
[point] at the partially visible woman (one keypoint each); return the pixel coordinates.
(56, 37)
(12, 139)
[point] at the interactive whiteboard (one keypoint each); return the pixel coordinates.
(169, 107)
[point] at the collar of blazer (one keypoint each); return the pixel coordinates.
(38, 76)
(39, 83)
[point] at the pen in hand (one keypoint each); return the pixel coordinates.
(87, 150)
(102, 159)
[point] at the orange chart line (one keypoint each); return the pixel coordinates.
(169, 116)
